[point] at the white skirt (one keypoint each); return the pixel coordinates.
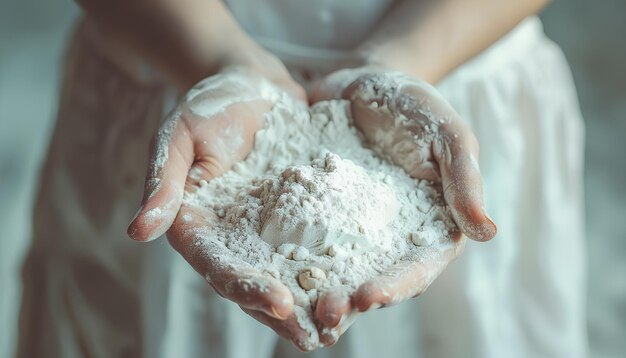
(91, 291)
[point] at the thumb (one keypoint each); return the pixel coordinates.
(171, 157)
(456, 152)
(292, 88)
(334, 85)
(342, 83)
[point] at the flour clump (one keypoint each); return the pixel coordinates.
(311, 278)
(329, 202)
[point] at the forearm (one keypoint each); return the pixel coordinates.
(429, 39)
(186, 39)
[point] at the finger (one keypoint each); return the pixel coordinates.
(407, 279)
(334, 85)
(327, 88)
(231, 277)
(456, 152)
(333, 304)
(252, 290)
(232, 138)
(297, 328)
(402, 281)
(330, 335)
(398, 144)
(170, 159)
(293, 89)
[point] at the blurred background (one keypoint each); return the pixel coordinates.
(33, 35)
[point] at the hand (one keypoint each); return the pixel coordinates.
(406, 121)
(212, 129)
(260, 296)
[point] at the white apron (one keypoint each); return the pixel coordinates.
(89, 291)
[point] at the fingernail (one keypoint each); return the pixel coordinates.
(271, 310)
(136, 214)
(373, 306)
(132, 228)
(494, 228)
(331, 319)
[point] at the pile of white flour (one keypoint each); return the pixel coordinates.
(314, 208)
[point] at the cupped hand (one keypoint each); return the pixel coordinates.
(408, 122)
(338, 308)
(209, 131)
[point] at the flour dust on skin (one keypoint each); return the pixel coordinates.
(314, 208)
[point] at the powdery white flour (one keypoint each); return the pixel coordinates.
(315, 209)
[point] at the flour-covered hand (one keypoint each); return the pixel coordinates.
(261, 296)
(338, 308)
(210, 130)
(408, 122)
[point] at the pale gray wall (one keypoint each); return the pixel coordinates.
(32, 36)
(593, 37)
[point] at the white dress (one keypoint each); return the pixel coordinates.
(91, 291)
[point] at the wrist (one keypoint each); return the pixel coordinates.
(242, 53)
(211, 58)
(403, 58)
(255, 59)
